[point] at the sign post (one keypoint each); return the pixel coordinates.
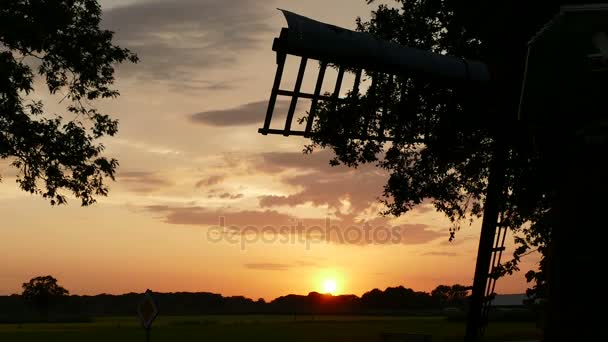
(147, 310)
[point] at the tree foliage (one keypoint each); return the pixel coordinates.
(61, 42)
(445, 134)
(454, 295)
(42, 292)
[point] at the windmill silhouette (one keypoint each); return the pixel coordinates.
(357, 52)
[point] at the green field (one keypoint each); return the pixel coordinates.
(257, 328)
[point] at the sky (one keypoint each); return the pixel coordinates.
(192, 165)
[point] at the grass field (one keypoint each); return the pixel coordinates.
(257, 328)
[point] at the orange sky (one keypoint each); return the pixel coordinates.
(190, 153)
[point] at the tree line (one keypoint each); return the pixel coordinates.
(43, 299)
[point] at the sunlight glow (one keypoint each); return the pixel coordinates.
(330, 286)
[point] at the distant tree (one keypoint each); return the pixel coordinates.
(42, 293)
(373, 299)
(61, 41)
(442, 294)
(396, 298)
(455, 295)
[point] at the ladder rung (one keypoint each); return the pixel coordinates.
(499, 249)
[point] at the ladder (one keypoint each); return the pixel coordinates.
(497, 251)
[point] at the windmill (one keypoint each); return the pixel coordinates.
(347, 50)
(563, 107)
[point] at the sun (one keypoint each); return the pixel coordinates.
(330, 286)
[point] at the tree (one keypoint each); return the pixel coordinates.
(62, 41)
(43, 292)
(444, 139)
(451, 295)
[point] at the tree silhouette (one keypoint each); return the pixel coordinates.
(451, 295)
(60, 40)
(445, 138)
(42, 293)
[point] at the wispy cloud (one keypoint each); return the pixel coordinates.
(143, 181)
(345, 229)
(176, 38)
(210, 181)
(267, 266)
(148, 148)
(227, 195)
(441, 253)
(247, 114)
(322, 184)
(271, 266)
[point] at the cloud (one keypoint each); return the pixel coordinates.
(257, 226)
(322, 184)
(270, 266)
(176, 39)
(441, 253)
(206, 217)
(142, 181)
(348, 198)
(273, 162)
(304, 263)
(227, 195)
(425, 207)
(267, 266)
(247, 114)
(346, 192)
(211, 180)
(457, 241)
(418, 234)
(359, 189)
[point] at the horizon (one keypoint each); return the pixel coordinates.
(265, 299)
(191, 161)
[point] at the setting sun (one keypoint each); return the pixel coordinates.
(330, 286)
